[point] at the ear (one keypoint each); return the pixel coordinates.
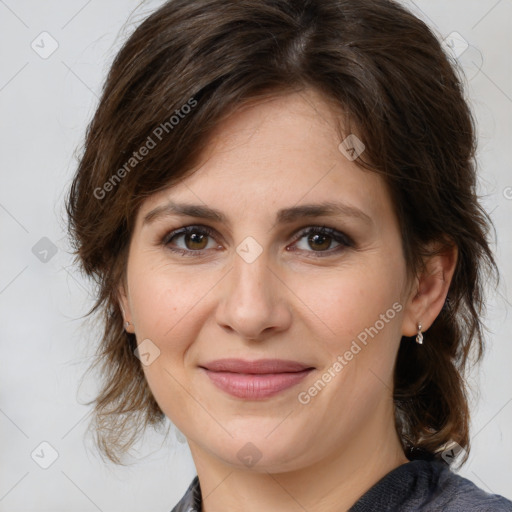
(124, 304)
(430, 288)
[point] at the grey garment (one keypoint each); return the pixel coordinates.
(191, 501)
(428, 486)
(419, 485)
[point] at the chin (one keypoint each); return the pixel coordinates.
(257, 451)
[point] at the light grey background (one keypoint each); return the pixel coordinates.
(45, 105)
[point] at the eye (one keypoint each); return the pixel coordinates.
(321, 239)
(190, 239)
(316, 240)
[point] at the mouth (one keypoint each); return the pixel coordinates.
(255, 380)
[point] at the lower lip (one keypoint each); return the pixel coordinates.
(255, 386)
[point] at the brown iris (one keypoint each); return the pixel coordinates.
(318, 241)
(196, 240)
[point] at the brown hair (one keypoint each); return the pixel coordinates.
(192, 63)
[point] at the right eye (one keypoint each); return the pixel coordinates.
(190, 239)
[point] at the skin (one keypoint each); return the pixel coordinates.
(289, 304)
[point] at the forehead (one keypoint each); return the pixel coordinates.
(276, 153)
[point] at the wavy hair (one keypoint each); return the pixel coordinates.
(399, 92)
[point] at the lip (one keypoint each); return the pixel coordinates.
(253, 380)
(254, 367)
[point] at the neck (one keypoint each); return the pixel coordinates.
(332, 484)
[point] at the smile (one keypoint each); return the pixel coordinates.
(254, 380)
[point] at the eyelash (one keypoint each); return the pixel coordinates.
(344, 240)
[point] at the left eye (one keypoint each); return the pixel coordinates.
(321, 239)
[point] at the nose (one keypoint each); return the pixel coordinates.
(255, 301)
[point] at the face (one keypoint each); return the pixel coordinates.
(292, 253)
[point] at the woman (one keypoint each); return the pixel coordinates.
(277, 200)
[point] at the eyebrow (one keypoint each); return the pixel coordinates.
(284, 216)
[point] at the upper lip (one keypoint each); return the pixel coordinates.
(257, 366)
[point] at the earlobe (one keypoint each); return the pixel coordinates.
(430, 289)
(125, 308)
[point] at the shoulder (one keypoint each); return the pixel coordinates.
(456, 493)
(191, 500)
(428, 486)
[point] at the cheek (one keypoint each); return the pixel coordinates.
(169, 309)
(165, 301)
(346, 302)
